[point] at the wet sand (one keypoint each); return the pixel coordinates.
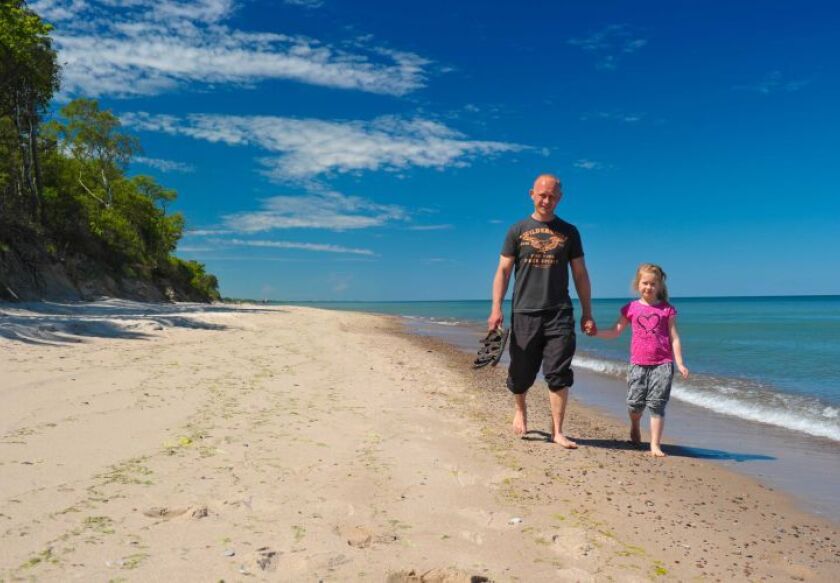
(298, 444)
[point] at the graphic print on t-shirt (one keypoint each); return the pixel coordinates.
(543, 241)
(648, 323)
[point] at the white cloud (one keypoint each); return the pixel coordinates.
(311, 147)
(207, 232)
(610, 44)
(774, 82)
(623, 117)
(320, 247)
(331, 211)
(430, 227)
(585, 164)
(164, 165)
(190, 249)
(127, 48)
(305, 3)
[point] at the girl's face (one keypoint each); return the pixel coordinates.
(649, 287)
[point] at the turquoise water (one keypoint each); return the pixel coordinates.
(773, 360)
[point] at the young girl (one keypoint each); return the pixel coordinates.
(654, 347)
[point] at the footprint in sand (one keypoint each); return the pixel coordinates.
(578, 545)
(473, 537)
(461, 477)
(437, 575)
(266, 559)
(195, 512)
(484, 518)
(362, 537)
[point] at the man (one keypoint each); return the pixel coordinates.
(541, 248)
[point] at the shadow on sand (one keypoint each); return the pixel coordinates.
(714, 454)
(46, 323)
(671, 450)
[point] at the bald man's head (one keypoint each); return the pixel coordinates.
(546, 182)
(545, 194)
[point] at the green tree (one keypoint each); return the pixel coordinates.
(95, 139)
(147, 186)
(28, 79)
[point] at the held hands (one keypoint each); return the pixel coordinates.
(588, 326)
(683, 370)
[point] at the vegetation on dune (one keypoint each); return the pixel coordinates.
(65, 196)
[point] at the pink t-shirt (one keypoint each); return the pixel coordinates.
(651, 342)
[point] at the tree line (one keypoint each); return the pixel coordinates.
(63, 178)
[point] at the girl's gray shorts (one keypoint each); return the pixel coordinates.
(650, 385)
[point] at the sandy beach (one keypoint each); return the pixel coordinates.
(236, 443)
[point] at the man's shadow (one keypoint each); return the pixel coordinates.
(671, 450)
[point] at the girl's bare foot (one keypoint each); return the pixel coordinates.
(564, 441)
(635, 435)
(520, 423)
(657, 452)
(635, 432)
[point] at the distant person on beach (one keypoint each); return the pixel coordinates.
(654, 348)
(541, 248)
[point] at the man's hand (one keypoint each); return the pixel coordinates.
(495, 320)
(588, 326)
(683, 370)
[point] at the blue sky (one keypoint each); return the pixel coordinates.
(327, 149)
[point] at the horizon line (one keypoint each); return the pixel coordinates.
(357, 301)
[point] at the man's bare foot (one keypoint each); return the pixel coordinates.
(520, 423)
(657, 452)
(635, 435)
(564, 441)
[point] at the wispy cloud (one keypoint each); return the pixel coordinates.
(319, 247)
(330, 210)
(306, 148)
(305, 3)
(206, 232)
(774, 82)
(164, 165)
(585, 164)
(127, 48)
(610, 44)
(430, 227)
(619, 116)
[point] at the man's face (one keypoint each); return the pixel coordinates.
(546, 195)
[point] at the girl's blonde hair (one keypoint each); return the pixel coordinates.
(658, 272)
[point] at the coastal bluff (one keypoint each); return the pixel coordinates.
(30, 272)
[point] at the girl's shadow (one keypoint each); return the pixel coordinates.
(671, 450)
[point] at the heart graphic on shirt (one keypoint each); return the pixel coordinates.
(648, 323)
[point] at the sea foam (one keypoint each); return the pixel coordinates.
(742, 399)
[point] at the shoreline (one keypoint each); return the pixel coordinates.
(739, 444)
(235, 469)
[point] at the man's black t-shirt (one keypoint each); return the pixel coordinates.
(542, 253)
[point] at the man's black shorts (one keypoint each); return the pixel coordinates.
(546, 337)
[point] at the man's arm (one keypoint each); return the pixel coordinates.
(584, 291)
(500, 285)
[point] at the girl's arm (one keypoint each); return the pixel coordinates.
(676, 347)
(615, 331)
